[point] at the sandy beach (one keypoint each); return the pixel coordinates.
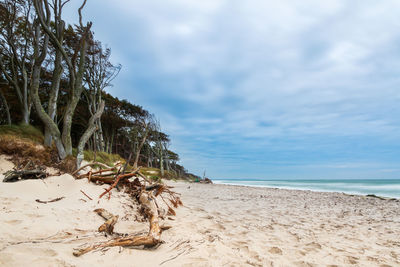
(219, 225)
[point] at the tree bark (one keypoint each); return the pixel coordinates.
(55, 84)
(4, 100)
(25, 104)
(161, 163)
(75, 95)
(88, 133)
(139, 148)
(44, 117)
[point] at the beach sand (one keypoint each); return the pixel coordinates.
(219, 225)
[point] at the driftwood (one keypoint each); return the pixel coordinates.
(111, 220)
(14, 176)
(121, 241)
(119, 177)
(146, 193)
(49, 201)
(86, 195)
(153, 238)
(93, 164)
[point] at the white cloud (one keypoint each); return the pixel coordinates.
(264, 69)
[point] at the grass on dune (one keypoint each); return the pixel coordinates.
(28, 132)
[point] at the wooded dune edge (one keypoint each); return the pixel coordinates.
(53, 76)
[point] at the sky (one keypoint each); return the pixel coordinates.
(258, 89)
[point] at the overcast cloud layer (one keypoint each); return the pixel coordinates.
(264, 89)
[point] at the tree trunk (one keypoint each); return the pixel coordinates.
(44, 117)
(25, 105)
(75, 72)
(101, 136)
(112, 142)
(4, 100)
(161, 164)
(55, 87)
(88, 133)
(67, 123)
(167, 164)
(139, 148)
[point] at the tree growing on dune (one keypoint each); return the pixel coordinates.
(76, 68)
(139, 133)
(99, 74)
(59, 32)
(5, 108)
(160, 140)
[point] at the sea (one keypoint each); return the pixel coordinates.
(378, 187)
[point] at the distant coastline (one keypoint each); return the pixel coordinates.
(380, 187)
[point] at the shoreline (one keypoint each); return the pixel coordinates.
(358, 193)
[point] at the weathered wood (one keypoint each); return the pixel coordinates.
(96, 172)
(147, 241)
(147, 201)
(153, 238)
(86, 195)
(122, 176)
(49, 201)
(92, 164)
(14, 176)
(111, 220)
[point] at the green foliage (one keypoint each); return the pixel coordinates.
(150, 171)
(22, 131)
(102, 157)
(156, 178)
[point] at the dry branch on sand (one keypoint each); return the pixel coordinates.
(111, 220)
(49, 201)
(29, 171)
(14, 176)
(145, 193)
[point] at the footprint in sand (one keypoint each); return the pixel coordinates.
(50, 252)
(313, 246)
(275, 250)
(13, 222)
(352, 260)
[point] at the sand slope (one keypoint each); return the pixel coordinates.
(218, 226)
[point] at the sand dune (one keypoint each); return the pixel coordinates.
(219, 225)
